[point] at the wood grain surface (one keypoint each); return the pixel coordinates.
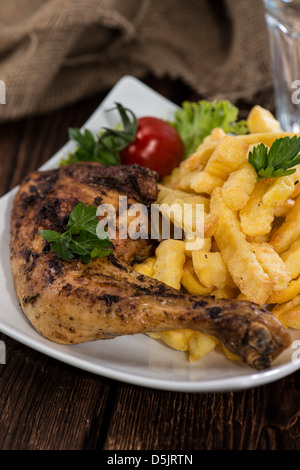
(48, 405)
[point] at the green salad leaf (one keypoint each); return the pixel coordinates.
(195, 120)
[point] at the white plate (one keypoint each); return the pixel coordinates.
(137, 359)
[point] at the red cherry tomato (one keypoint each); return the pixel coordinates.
(157, 146)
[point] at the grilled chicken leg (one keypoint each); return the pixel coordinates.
(71, 302)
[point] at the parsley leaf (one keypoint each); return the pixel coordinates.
(277, 161)
(81, 237)
(104, 148)
(195, 120)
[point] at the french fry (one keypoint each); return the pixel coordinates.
(237, 253)
(176, 339)
(229, 154)
(184, 183)
(168, 266)
(211, 269)
(279, 191)
(284, 295)
(204, 244)
(266, 138)
(261, 120)
(199, 159)
(228, 354)
(237, 189)
(289, 313)
(196, 343)
(204, 182)
(258, 214)
(260, 239)
(146, 267)
(296, 180)
(200, 344)
(188, 212)
(242, 297)
(227, 292)
(172, 180)
(272, 264)
(175, 196)
(216, 135)
(256, 217)
(289, 231)
(284, 209)
(190, 281)
(291, 259)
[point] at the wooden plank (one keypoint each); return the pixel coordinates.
(26, 145)
(46, 404)
(263, 418)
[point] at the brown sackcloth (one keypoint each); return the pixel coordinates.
(55, 52)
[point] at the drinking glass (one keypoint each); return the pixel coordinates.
(283, 23)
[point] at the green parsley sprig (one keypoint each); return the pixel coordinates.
(277, 161)
(104, 148)
(80, 238)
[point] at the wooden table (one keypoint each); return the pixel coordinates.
(46, 404)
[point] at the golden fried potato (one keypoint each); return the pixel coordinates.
(289, 231)
(237, 189)
(179, 178)
(176, 339)
(229, 154)
(196, 343)
(200, 344)
(295, 177)
(289, 313)
(211, 269)
(216, 136)
(195, 244)
(260, 239)
(227, 292)
(284, 295)
(257, 217)
(184, 183)
(237, 253)
(266, 138)
(199, 159)
(291, 259)
(261, 120)
(279, 191)
(229, 354)
(272, 264)
(168, 266)
(173, 196)
(203, 245)
(190, 281)
(146, 267)
(284, 209)
(189, 212)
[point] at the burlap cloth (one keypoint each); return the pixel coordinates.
(55, 52)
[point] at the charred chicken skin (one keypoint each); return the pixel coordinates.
(72, 302)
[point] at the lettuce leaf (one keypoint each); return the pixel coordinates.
(195, 120)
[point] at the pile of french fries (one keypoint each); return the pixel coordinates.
(251, 246)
